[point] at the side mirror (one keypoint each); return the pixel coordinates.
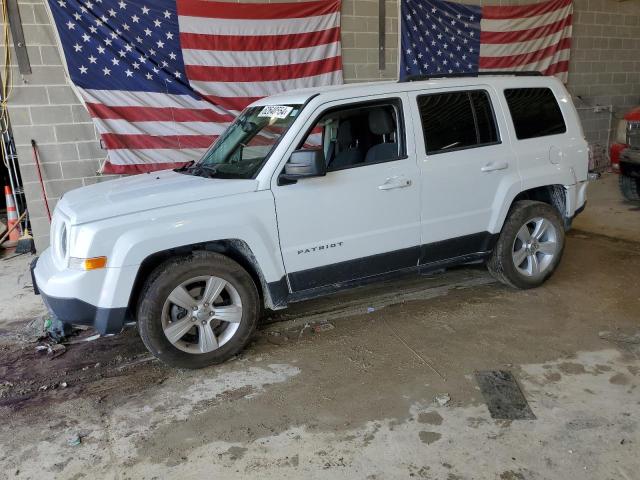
(305, 163)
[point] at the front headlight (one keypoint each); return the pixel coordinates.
(64, 240)
(60, 239)
(621, 132)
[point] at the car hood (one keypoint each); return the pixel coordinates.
(148, 191)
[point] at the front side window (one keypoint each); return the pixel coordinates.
(358, 134)
(457, 120)
(241, 151)
(535, 112)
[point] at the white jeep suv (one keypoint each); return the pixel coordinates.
(316, 190)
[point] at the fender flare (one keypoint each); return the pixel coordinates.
(234, 248)
(557, 197)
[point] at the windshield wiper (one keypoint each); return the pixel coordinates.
(201, 170)
(185, 166)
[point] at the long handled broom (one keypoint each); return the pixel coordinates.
(16, 225)
(25, 242)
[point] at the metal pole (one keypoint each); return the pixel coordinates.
(19, 191)
(382, 30)
(9, 170)
(19, 44)
(609, 134)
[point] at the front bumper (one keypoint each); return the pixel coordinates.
(630, 162)
(74, 311)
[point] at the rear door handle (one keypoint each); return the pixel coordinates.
(395, 182)
(491, 166)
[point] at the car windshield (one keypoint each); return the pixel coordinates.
(244, 146)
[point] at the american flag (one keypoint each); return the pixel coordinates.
(439, 37)
(163, 78)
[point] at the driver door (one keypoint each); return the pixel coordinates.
(363, 218)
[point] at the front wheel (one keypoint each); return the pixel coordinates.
(529, 247)
(198, 310)
(630, 188)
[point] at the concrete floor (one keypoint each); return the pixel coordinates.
(607, 213)
(357, 400)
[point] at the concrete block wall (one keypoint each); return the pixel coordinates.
(605, 63)
(43, 107)
(604, 69)
(360, 41)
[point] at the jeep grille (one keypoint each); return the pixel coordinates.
(633, 134)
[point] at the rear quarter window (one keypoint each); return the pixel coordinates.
(535, 112)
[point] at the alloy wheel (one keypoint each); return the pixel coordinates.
(535, 247)
(201, 314)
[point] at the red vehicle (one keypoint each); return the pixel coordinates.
(625, 155)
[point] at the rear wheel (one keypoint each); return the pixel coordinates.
(198, 310)
(530, 245)
(630, 188)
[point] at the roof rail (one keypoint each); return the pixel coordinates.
(417, 78)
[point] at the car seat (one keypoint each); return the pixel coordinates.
(348, 152)
(381, 123)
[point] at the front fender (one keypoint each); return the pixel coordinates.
(128, 240)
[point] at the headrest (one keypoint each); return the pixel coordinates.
(344, 136)
(381, 122)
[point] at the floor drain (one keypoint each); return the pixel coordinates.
(503, 395)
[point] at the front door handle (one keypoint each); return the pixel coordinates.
(395, 182)
(491, 166)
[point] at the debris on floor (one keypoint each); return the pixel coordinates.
(84, 339)
(442, 399)
(277, 338)
(56, 330)
(304, 329)
(74, 440)
(54, 349)
(38, 372)
(323, 327)
(504, 398)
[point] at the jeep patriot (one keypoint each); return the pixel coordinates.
(311, 191)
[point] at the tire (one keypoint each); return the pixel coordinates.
(202, 333)
(630, 188)
(513, 262)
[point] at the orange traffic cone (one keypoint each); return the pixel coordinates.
(12, 216)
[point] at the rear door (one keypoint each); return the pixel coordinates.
(361, 219)
(467, 167)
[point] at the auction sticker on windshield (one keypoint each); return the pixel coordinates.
(277, 111)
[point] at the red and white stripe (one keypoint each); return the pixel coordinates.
(234, 54)
(527, 37)
(149, 131)
(237, 53)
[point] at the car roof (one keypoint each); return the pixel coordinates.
(353, 90)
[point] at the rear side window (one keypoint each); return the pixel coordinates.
(457, 120)
(535, 112)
